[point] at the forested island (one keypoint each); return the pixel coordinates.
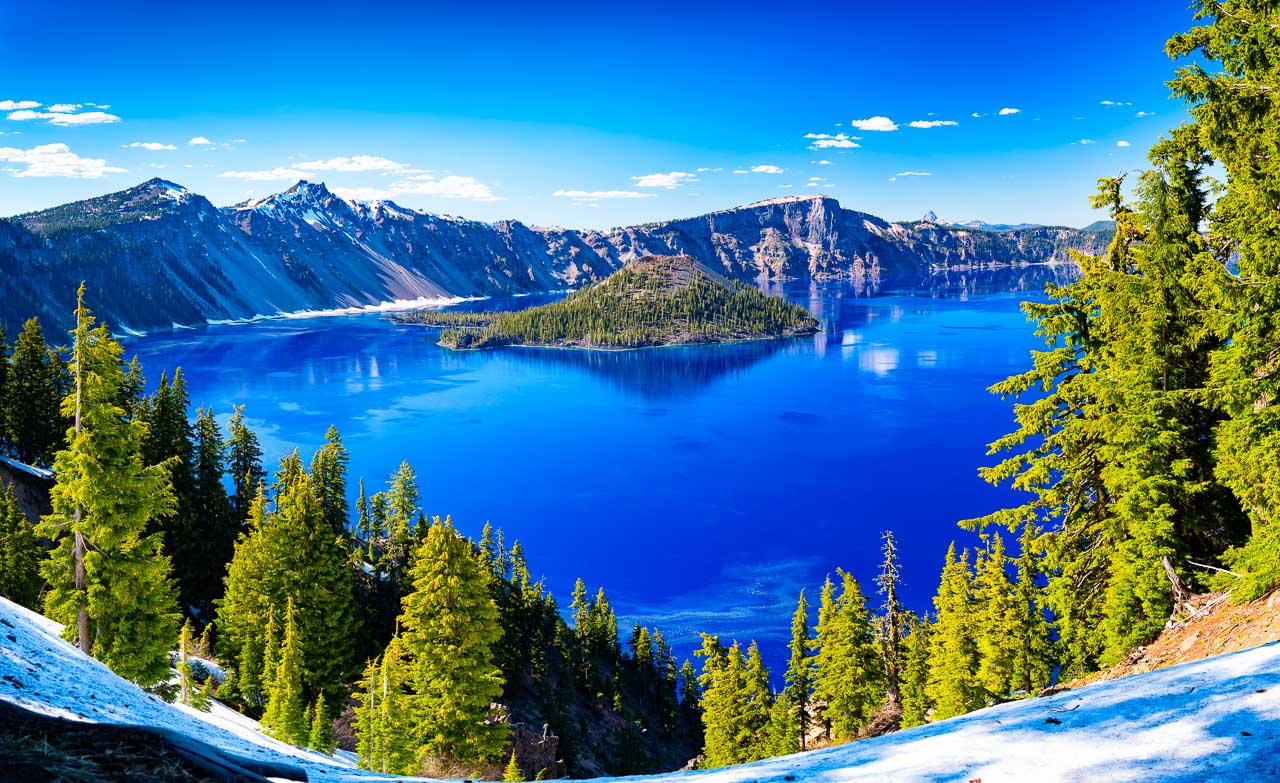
(652, 301)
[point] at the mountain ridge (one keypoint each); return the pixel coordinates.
(158, 255)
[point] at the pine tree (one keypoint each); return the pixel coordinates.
(20, 553)
(849, 672)
(108, 578)
(754, 731)
(724, 703)
(953, 687)
(190, 692)
(329, 472)
(214, 527)
(285, 716)
(363, 528)
(4, 384)
(512, 773)
(451, 627)
(799, 677)
(244, 463)
(384, 720)
(783, 732)
(171, 441)
(997, 643)
(1031, 636)
(915, 674)
(321, 735)
(892, 616)
(33, 397)
(402, 507)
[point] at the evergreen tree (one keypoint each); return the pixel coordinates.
(285, 716)
(384, 720)
(363, 528)
(321, 735)
(400, 510)
(759, 707)
(892, 616)
(1031, 663)
(20, 553)
(997, 643)
(33, 395)
(784, 728)
(214, 527)
(512, 773)
(724, 704)
(915, 674)
(189, 691)
(849, 673)
(450, 630)
(171, 441)
(4, 384)
(108, 578)
(329, 473)
(799, 678)
(953, 687)
(244, 463)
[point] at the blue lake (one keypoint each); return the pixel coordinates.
(702, 487)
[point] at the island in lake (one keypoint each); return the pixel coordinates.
(652, 301)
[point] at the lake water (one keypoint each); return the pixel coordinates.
(702, 487)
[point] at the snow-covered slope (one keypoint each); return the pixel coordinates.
(1213, 721)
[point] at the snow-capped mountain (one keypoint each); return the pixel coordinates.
(157, 255)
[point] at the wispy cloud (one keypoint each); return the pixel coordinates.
(1086, 141)
(154, 146)
(63, 118)
(932, 123)
(766, 168)
(1006, 111)
(1145, 114)
(600, 195)
(1115, 103)
(910, 173)
(266, 175)
(450, 187)
(876, 123)
(671, 180)
(55, 160)
(822, 162)
(824, 141)
(355, 163)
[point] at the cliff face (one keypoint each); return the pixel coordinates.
(157, 255)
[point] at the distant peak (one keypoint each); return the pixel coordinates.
(789, 200)
(932, 217)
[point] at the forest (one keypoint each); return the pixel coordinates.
(651, 301)
(1146, 434)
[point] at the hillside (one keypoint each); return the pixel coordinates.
(157, 255)
(1217, 719)
(656, 300)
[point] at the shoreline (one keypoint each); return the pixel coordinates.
(625, 349)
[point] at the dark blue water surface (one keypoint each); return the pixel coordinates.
(703, 487)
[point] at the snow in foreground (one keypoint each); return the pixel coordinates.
(1213, 720)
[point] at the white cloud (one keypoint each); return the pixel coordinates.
(705, 169)
(64, 118)
(154, 146)
(876, 123)
(199, 141)
(822, 162)
(824, 141)
(765, 168)
(914, 174)
(741, 171)
(670, 180)
(1146, 114)
(1005, 112)
(15, 105)
(1122, 143)
(267, 175)
(55, 160)
(597, 195)
(932, 123)
(1115, 103)
(452, 187)
(66, 108)
(817, 179)
(355, 163)
(975, 115)
(1086, 141)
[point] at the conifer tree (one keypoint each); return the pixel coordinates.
(724, 703)
(171, 441)
(1032, 658)
(214, 527)
(915, 674)
(244, 463)
(849, 673)
(759, 706)
(20, 553)
(799, 677)
(892, 617)
(321, 735)
(512, 773)
(329, 474)
(451, 627)
(953, 687)
(362, 513)
(784, 728)
(384, 720)
(108, 579)
(285, 715)
(4, 384)
(997, 642)
(402, 508)
(33, 397)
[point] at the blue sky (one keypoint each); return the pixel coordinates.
(583, 115)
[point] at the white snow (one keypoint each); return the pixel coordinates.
(40, 473)
(1215, 720)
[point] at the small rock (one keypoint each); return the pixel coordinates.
(1054, 721)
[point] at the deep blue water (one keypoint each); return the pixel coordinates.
(703, 487)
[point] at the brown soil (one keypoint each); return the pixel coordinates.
(1217, 626)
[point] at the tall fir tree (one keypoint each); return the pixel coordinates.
(451, 627)
(402, 506)
(285, 714)
(997, 644)
(917, 647)
(849, 672)
(1031, 633)
(20, 553)
(384, 719)
(893, 616)
(109, 580)
(329, 473)
(953, 687)
(33, 412)
(244, 463)
(799, 677)
(320, 737)
(214, 526)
